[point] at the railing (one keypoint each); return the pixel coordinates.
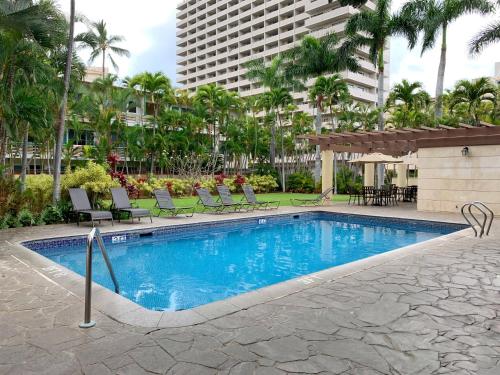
(94, 234)
(484, 226)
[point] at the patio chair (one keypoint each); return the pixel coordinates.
(121, 203)
(208, 202)
(82, 206)
(317, 201)
(164, 203)
(227, 199)
(368, 194)
(251, 198)
(354, 194)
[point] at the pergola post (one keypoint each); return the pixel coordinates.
(401, 179)
(369, 175)
(327, 170)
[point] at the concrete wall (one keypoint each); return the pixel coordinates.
(446, 179)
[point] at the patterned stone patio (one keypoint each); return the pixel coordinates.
(432, 312)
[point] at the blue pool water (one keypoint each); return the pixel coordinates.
(188, 266)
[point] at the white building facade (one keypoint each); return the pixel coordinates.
(215, 38)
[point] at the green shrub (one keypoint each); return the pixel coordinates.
(51, 215)
(262, 183)
(11, 221)
(346, 179)
(26, 218)
(300, 182)
(11, 198)
(93, 178)
(39, 190)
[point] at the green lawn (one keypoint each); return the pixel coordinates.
(284, 198)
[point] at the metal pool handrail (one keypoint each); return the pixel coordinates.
(488, 216)
(94, 234)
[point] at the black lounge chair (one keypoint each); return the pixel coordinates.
(81, 206)
(165, 204)
(227, 199)
(121, 203)
(252, 199)
(208, 202)
(318, 201)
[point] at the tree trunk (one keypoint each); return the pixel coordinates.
(317, 161)
(103, 63)
(440, 76)
(272, 146)
(380, 106)
(24, 158)
(62, 112)
(282, 156)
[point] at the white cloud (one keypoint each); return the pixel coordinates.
(132, 19)
(460, 65)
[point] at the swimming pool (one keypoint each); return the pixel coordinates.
(184, 266)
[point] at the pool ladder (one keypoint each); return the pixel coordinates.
(94, 234)
(484, 226)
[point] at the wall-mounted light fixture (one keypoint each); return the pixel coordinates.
(465, 151)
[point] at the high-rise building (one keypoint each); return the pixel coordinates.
(215, 38)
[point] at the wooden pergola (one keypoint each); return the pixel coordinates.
(401, 141)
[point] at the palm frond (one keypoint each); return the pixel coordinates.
(489, 35)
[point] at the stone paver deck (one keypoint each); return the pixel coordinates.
(434, 311)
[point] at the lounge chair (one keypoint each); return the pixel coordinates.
(121, 203)
(227, 199)
(208, 202)
(165, 204)
(252, 199)
(318, 201)
(81, 206)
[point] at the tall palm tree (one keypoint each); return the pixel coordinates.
(329, 90)
(314, 57)
(489, 35)
(433, 17)
(372, 29)
(278, 99)
(273, 76)
(102, 44)
(156, 87)
(62, 111)
(209, 97)
(472, 94)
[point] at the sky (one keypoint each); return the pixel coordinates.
(149, 29)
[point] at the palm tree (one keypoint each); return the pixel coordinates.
(98, 40)
(209, 96)
(157, 86)
(410, 94)
(489, 35)
(330, 90)
(62, 112)
(372, 29)
(433, 17)
(23, 22)
(472, 94)
(314, 57)
(278, 99)
(272, 75)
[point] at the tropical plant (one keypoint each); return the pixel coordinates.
(314, 57)
(433, 18)
(97, 38)
(372, 29)
(487, 36)
(472, 94)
